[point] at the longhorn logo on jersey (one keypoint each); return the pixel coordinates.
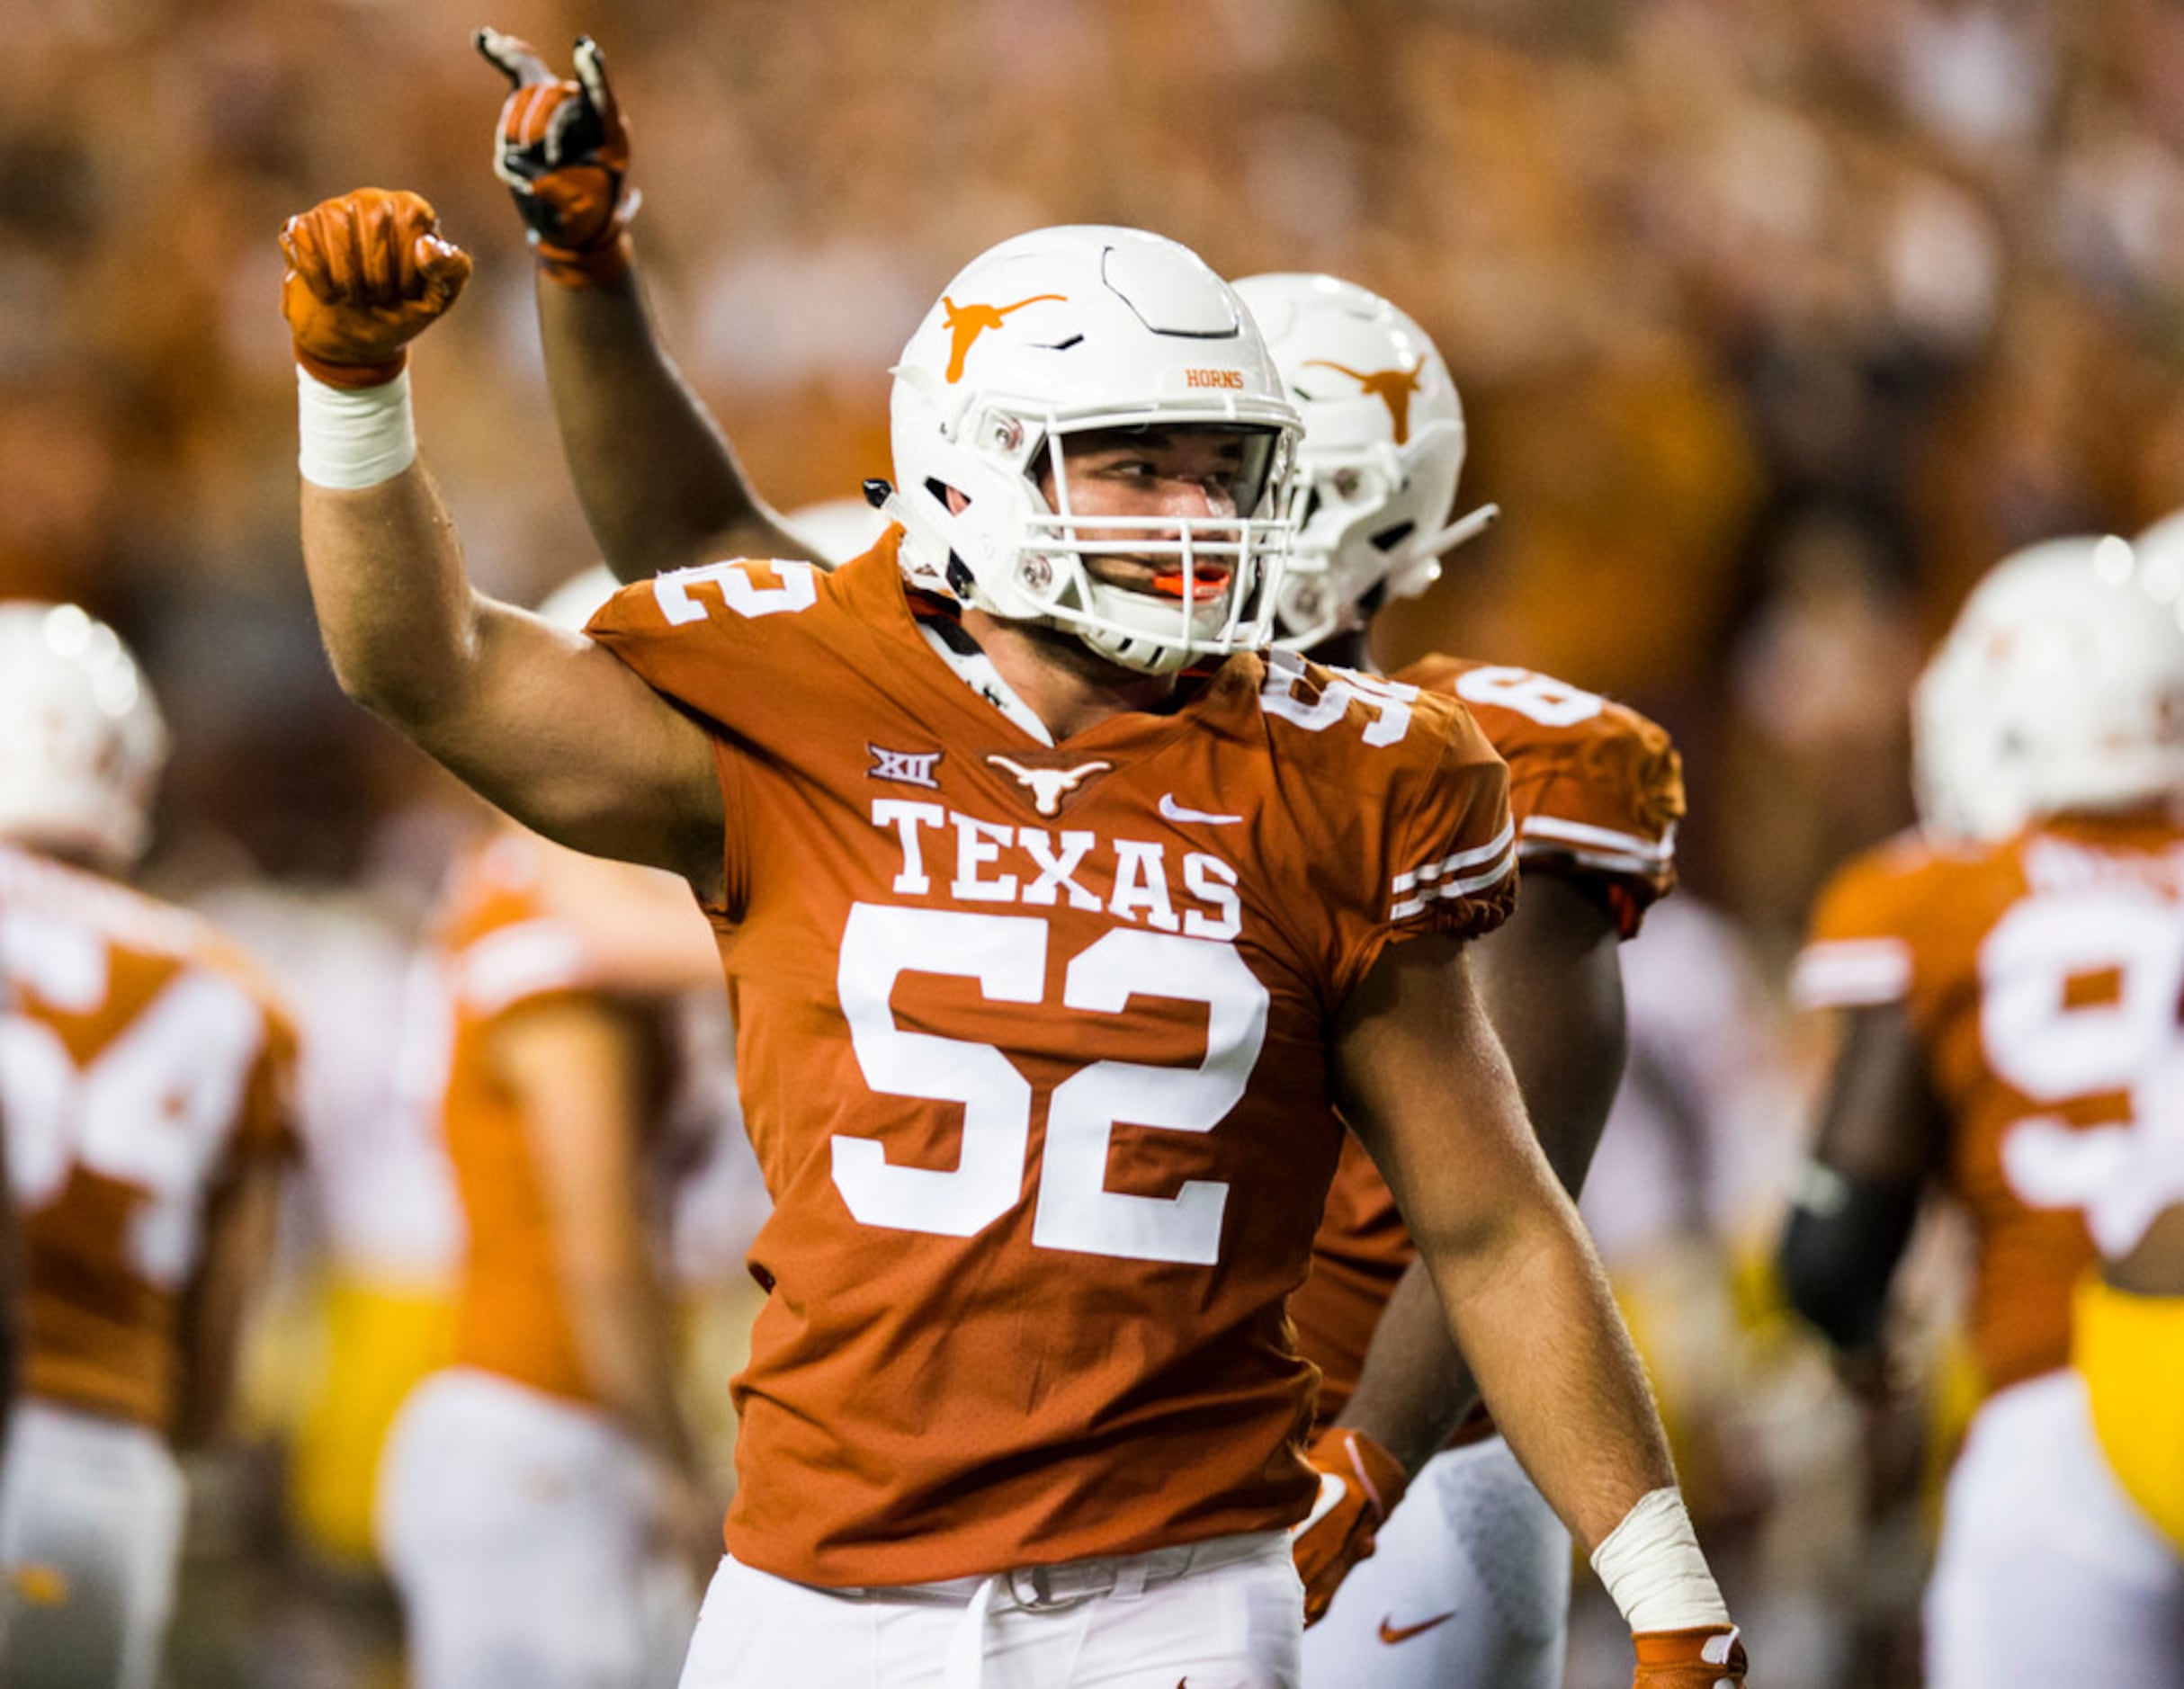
(1048, 786)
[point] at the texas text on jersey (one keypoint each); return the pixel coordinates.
(1596, 789)
(1028, 1307)
(144, 1064)
(2041, 977)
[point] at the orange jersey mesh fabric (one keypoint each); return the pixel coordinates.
(507, 940)
(2042, 976)
(1032, 1048)
(1596, 789)
(144, 1062)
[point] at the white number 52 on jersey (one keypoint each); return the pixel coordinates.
(1007, 955)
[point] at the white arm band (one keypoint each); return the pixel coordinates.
(351, 438)
(1654, 1570)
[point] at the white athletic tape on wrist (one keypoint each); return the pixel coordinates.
(351, 438)
(1653, 1569)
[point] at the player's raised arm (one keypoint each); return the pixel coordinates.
(542, 722)
(659, 480)
(1425, 1083)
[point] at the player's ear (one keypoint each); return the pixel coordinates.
(958, 501)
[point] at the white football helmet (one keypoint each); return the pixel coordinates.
(2060, 687)
(1383, 444)
(1041, 339)
(82, 742)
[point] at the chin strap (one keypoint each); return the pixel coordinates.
(1469, 527)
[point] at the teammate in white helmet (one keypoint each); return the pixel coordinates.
(145, 1074)
(1382, 448)
(2009, 978)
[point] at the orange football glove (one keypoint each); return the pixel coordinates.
(564, 151)
(367, 273)
(1360, 1482)
(1707, 1657)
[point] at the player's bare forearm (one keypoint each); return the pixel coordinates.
(657, 478)
(1414, 1390)
(1552, 986)
(1426, 1085)
(396, 611)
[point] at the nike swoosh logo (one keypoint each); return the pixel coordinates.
(1390, 1635)
(1173, 812)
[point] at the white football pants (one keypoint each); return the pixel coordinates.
(2046, 1574)
(91, 1515)
(1468, 1587)
(518, 1529)
(1218, 1614)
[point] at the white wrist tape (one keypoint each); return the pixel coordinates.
(1654, 1570)
(350, 438)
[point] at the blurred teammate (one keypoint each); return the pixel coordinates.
(1470, 1587)
(2010, 979)
(2128, 1331)
(541, 1498)
(1038, 1045)
(1596, 790)
(144, 1073)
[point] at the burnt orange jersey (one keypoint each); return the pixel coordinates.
(1596, 789)
(143, 1062)
(2041, 978)
(1033, 1045)
(523, 923)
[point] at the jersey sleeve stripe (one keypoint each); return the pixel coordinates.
(525, 961)
(1443, 888)
(1851, 973)
(1628, 849)
(1431, 872)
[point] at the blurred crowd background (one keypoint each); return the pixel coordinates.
(1775, 323)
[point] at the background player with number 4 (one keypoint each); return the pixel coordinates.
(145, 1077)
(1596, 788)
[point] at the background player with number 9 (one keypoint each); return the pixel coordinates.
(2009, 979)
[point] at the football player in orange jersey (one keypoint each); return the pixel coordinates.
(2010, 978)
(2127, 1326)
(542, 1497)
(1596, 788)
(1050, 962)
(145, 1073)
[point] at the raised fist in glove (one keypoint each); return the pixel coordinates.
(367, 273)
(1707, 1657)
(564, 152)
(1360, 1482)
